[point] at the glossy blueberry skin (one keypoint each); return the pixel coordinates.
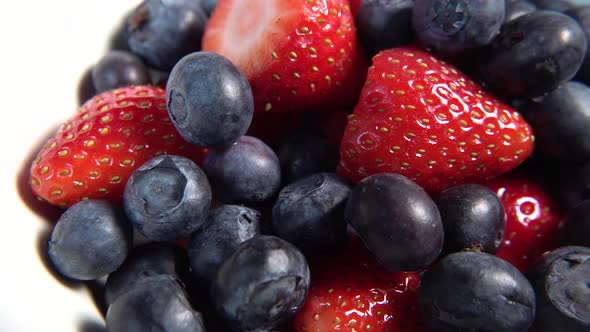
(561, 121)
(309, 213)
(576, 223)
(396, 220)
(261, 285)
(473, 217)
(157, 303)
(118, 69)
(383, 24)
(516, 9)
(452, 26)
(209, 100)
(167, 197)
(582, 15)
(161, 32)
(209, 6)
(225, 229)
(148, 260)
(304, 154)
(473, 291)
(90, 240)
(533, 54)
(247, 172)
(560, 281)
(555, 5)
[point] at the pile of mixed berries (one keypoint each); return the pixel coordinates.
(332, 165)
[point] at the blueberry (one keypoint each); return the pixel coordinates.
(148, 260)
(306, 153)
(161, 32)
(562, 283)
(555, 5)
(516, 9)
(157, 303)
(383, 24)
(209, 6)
(452, 26)
(117, 69)
(261, 285)
(90, 240)
(396, 220)
(582, 15)
(533, 54)
(247, 172)
(167, 197)
(473, 217)
(225, 229)
(561, 121)
(209, 100)
(309, 213)
(86, 89)
(576, 223)
(474, 291)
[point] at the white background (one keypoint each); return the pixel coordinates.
(45, 47)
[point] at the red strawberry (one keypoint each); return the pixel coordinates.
(350, 292)
(93, 154)
(354, 6)
(296, 54)
(533, 219)
(420, 117)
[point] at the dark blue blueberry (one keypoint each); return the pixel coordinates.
(86, 88)
(562, 284)
(225, 229)
(452, 26)
(209, 100)
(209, 6)
(157, 303)
(247, 172)
(117, 69)
(148, 260)
(306, 153)
(261, 285)
(473, 217)
(561, 121)
(572, 183)
(555, 5)
(383, 24)
(582, 15)
(167, 197)
(533, 54)
(396, 220)
(309, 213)
(474, 291)
(90, 240)
(576, 229)
(516, 9)
(162, 32)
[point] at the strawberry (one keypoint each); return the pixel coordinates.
(351, 292)
(296, 54)
(422, 118)
(533, 219)
(93, 154)
(354, 6)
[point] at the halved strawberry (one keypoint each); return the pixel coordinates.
(351, 292)
(420, 117)
(296, 54)
(93, 154)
